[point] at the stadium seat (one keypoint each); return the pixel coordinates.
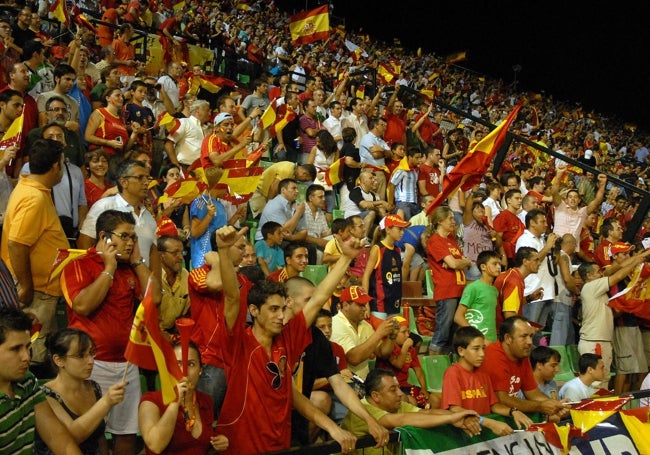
(429, 281)
(315, 273)
(566, 366)
(336, 214)
(574, 356)
(409, 314)
(413, 379)
(434, 367)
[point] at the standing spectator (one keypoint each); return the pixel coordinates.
(423, 127)
(183, 145)
(357, 120)
(508, 226)
(64, 78)
(333, 123)
(169, 82)
(432, 171)
(96, 182)
(27, 398)
(447, 265)
(477, 234)
(383, 275)
(611, 232)
(395, 116)
(110, 78)
(124, 50)
(323, 155)
(31, 237)
(373, 151)
(138, 118)
(207, 215)
(100, 290)
(405, 186)
(511, 284)
(315, 220)
(352, 162)
(309, 128)
(562, 333)
(175, 301)
(258, 99)
(20, 31)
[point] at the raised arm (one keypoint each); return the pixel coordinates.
(600, 194)
(226, 237)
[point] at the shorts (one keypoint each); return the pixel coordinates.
(123, 417)
(628, 351)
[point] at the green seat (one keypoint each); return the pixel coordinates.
(574, 356)
(315, 273)
(413, 379)
(336, 214)
(414, 328)
(567, 371)
(243, 78)
(252, 232)
(371, 363)
(429, 281)
(434, 367)
(265, 164)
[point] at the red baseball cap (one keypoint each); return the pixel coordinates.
(393, 221)
(620, 247)
(355, 294)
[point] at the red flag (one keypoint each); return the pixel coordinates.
(63, 258)
(285, 115)
(589, 413)
(473, 166)
(558, 435)
(80, 19)
(309, 26)
(148, 349)
(334, 174)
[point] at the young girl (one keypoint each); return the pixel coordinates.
(383, 275)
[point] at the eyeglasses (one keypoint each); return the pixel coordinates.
(139, 178)
(274, 369)
(125, 236)
(88, 355)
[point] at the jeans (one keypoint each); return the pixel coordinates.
(213, 382)
(445, 310)
(562, 332)
(538, 311)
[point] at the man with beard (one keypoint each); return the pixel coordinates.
(57, 112)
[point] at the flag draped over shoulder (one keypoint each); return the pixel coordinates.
(148, 349)
(471, 168)
(309, 26)
(13, 135)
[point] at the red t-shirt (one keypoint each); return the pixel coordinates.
(507, 375)
(468, 389)
(395, 128)
(279, 275)
(512, 228)
(339, 355)
(447, 283)
(109, 325)
(426, 129)
(510, 284)
(587, 244)
(601, 253)
(430, 175)
(212, 144)
(256, 413)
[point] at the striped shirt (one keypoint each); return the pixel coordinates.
(17, 418)
(406, 185)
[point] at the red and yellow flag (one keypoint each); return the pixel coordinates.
(148, 349)
(289, 115)
(471, 168)
(167, 120)
(309, 26)
(557, 435)
(60, 12)
(210, 83)
(14, 133)
(267, 119)
(385, 72)
(334, 174)
(590, 413)
(456, 57)
(184, 189)
(242, 180)
(63, 258)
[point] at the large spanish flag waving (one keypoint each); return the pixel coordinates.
(471, 168)
(309, 26)
(148, 349)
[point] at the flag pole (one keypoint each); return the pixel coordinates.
(125, 371)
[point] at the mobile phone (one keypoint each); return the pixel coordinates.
(107, 238)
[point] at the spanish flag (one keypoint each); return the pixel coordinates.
(212, 84)
(268, 117)
(60, 12)
(385, 72)
(590, 413)
(242, 180)
(557, 435)
(167, 120)
(185, 189)
(148, 349)
(334, 174)
(288, 116)
(13, 135)
(309, 26)
(473, 166)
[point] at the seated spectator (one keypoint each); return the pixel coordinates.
(508, 366)
(185, 424)
(340, 233)
(359, 340)
(363, 201)
(316, 222)
(591, 369)
(296, 258)
(545, 362)
(71, 351)
(422, 219)
(270, 256)
(462, 380)
(383, 400)
(404, 357)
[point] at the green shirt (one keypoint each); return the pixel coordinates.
(17, 418)
(481, 302)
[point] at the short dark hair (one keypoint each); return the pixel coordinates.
(310, 168)
(6, 95)
(161, 244)
(464, 336)
(373, 380)
(291, 247)
(30, 47)
(535, 181)
(349, 134)
(109, 220)
(262, 290)
(525, 252)
(59, 342)
(484, 256)
(586, 361)
(311, 189)
(43, 154)
(13, 320)
(511, 193)
(62, 69)
(285, 183)
(372, 122)
(608, 226)
(52, 99)
(339, 225)
(542, 354)
(269, 228)
(530, 216)
(586, 268)
(507, 327)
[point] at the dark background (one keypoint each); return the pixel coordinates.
(592, 52)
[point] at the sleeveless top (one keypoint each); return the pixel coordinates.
(88, 447)
(386, 281)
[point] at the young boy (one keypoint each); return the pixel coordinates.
(269, 254)
(592, 369)
(341, 232)
(323, 323)
(465, 388)
(546, 364)
(136, 113)
(478, 304)
(403, 358)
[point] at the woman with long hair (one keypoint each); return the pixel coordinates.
(448, 266)
(96, 183)
(76, 400)
(323, 155)
(183, 426)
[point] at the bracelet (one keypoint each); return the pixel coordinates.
(108, 274)
(480, 420)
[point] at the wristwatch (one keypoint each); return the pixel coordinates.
(137, 263)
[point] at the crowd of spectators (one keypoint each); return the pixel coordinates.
(92, 137)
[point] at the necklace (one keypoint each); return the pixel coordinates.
(190, 420)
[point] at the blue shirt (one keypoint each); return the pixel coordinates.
(279, 210)
(367, 141)
(201, 245)
(273, 255)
